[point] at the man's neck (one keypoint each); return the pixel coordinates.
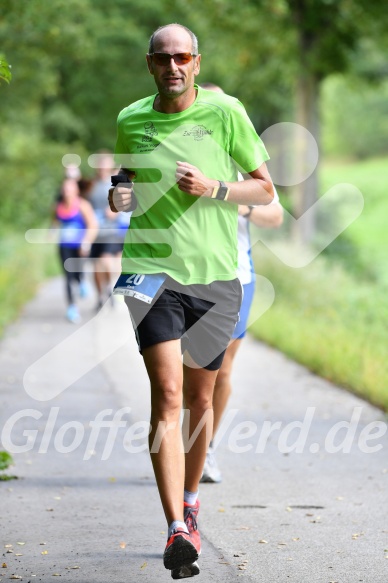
(165, 104)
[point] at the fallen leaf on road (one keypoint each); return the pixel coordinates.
(4, 565)
(221, 510)
(10, 551)
(112, 479)
(56, 575)
(143, 566)
(296, 538)
(16, 577)
(123, 545)
(18, 555)
(7, 546)
(265, 542)
(44, 552)
(243, 528)
(289, 509)
(43, 543)
(68, 568)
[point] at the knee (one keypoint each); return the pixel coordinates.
(223, 381)
(166, 398)
(198, 400)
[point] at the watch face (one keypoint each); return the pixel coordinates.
(222, 192)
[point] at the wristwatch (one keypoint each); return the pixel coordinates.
(220, 192)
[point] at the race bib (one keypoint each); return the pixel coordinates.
(139, 286)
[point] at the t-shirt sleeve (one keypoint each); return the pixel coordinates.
(246, 147)
(120, 146)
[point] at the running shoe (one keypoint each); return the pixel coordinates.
(190, 514)
(211, 472)
(84, 290)
(179, 550)
(185, 571)
(72, 314)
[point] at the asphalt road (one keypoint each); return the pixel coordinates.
(303, 500)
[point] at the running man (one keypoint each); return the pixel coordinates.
(185, 146)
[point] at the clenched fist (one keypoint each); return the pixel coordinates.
(122, 199)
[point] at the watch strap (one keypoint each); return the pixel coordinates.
(220, 192)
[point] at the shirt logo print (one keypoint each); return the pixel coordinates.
(150, 131)
(198, 132)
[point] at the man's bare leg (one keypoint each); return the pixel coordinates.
(223, 387)
(198, 385)
(164, 366)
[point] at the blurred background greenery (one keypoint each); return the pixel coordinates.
(320, 63)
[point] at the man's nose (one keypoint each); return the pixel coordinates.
(172, 66)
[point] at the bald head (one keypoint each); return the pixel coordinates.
(176, 30)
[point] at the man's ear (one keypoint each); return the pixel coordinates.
(197, 66)
(150, 64)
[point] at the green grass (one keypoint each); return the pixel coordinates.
(6, 460)
(22, 267)
(332, 315)
(368, 235)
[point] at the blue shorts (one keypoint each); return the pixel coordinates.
(241, 326)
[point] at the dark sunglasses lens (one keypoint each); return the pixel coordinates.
(161, 58)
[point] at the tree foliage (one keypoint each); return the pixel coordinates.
(5, 70)
(77, 64)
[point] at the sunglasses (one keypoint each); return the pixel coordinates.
(164, 59)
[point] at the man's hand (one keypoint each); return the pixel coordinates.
(192, 181)
(121, 199)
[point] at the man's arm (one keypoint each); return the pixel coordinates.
(268, 216)
(257, 189)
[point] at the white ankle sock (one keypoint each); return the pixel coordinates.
(190, 497)
(176, 524)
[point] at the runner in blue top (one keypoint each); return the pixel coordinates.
(78, 227)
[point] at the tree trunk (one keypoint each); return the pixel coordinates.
(305, 194)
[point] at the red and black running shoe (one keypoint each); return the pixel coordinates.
(179, 550)
(185, 571)
(190, 518)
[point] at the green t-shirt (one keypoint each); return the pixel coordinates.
(192, 239)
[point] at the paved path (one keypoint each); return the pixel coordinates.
(290, 508)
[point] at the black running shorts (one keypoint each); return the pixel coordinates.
(202, 316)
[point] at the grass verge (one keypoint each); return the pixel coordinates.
(328, 320)
(22, 267)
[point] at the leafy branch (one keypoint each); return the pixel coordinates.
(5, 70)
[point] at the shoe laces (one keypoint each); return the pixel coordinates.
(190, 518)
